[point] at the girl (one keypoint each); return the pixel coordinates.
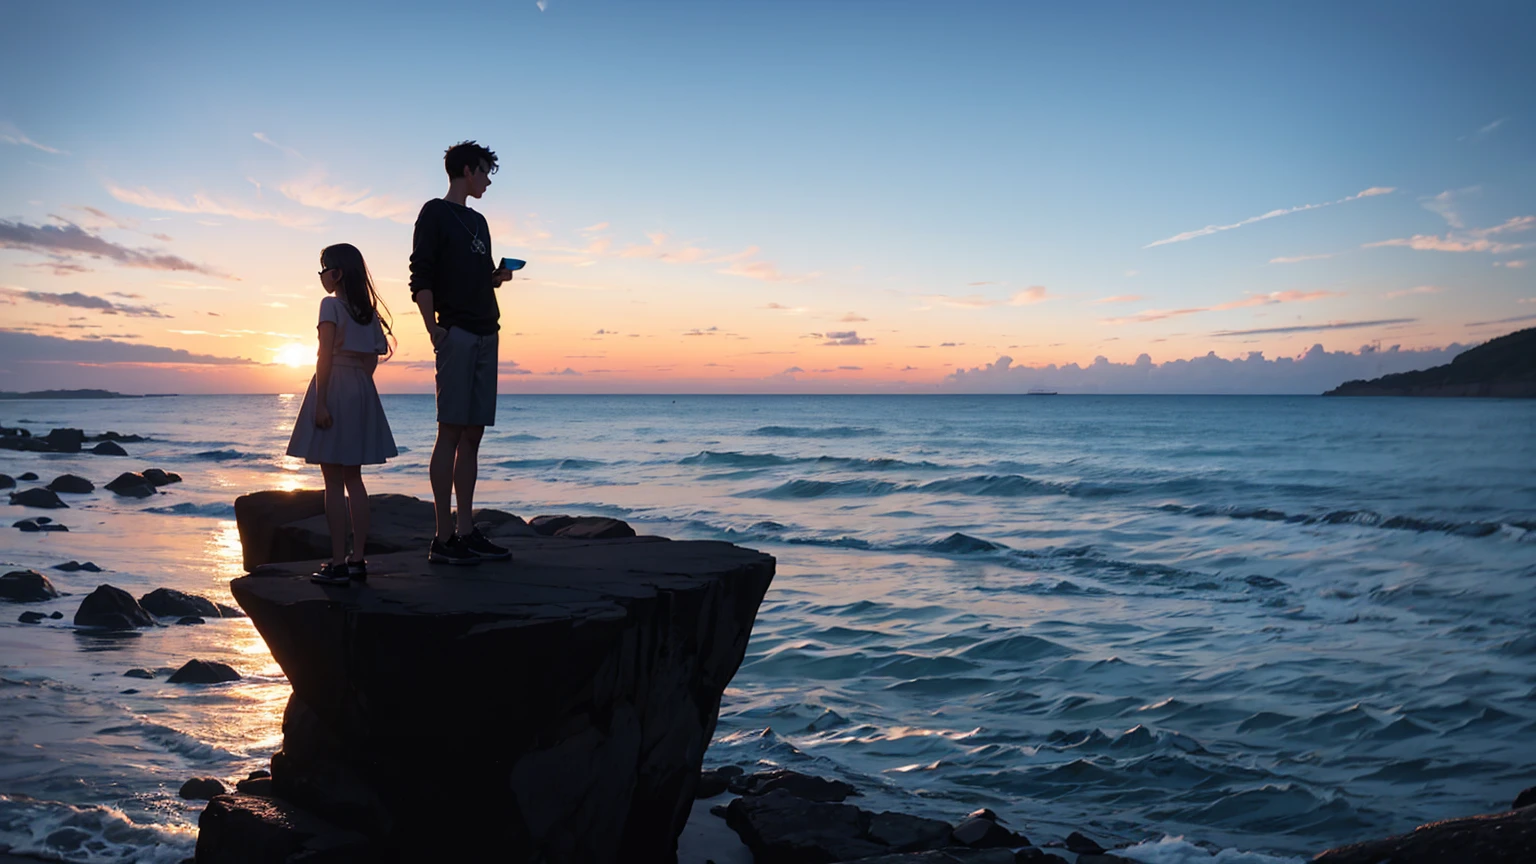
(341, 424)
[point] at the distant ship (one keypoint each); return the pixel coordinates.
(1038, 392)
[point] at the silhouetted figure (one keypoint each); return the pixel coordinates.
(453, 282)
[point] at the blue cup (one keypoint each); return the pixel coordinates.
(513, 264)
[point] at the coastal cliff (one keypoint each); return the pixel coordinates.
(1500, 368)
(554, 708)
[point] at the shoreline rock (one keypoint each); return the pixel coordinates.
(418, 718)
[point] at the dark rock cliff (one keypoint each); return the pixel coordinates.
(1502, 368)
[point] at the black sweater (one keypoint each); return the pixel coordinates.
(445, 261)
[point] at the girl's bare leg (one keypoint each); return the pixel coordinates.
(357, 505)
(336, 510)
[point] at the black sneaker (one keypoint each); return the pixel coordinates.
(330, 574)
(358, 570)
(451, 551)
(485, 548)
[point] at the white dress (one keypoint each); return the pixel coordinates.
(359, 433)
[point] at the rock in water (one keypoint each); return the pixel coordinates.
(38, 523)
(26, 586)
(27, 476)
(37, 497)
(978, 832)
(202, 788)
(251, 829)
(31, 617)
(170, 603)
(596, 528)
(140, 673)
(1526, 798)
(1082, 844)
(590, 757)
(203, 672)
(7, 481)
(71, 484)
(781, 828)
(113, 609)
(157, 477)
(131, 485)
(797, 784)
(546, 526)
(109, 448)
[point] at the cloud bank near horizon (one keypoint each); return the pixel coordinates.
(1313, 372)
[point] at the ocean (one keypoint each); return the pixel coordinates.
(1263, 623)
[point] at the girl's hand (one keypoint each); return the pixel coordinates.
(322, 417)
(499, 276)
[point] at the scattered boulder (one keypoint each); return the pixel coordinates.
(55, 614)
(979, 832)
(190, 619)
(170, 603)
(908, 833)
(7, 481)
(115, 436)
(258, 774)
(71, 484)
(1526, 798)
(131, 485)
(65, 440)
(226, 611)
(782, 828)
(31, 617)
(157, 477)
(37, 497)
(112, 609)
(581, 527)
(250, 828)
(596, 528)
(797, 784)
(202, 788)
(203, 672)
(76, 566)
(26, 586)
(716, 781)
(38, 523)
(1082, 844)
(27, 476)
(139, 673)
(255, 786)
(109, 448)
(546, 526)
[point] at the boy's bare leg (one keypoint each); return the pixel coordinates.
(441, 471)
(466, 465)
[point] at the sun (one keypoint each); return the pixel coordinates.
(294, 354)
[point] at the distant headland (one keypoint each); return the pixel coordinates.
(1502, 368)
(75, 394)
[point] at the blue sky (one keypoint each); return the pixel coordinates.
(734, 183)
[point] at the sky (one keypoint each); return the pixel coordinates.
(785, 197)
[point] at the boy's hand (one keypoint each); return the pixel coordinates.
(499, 276)
(323, 417)
(436, 333)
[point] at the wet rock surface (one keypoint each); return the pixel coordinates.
(131, 485)
(38, 523)
(37, 496)
(1494, 838)
(203, 672)
(72, 484)
(112, 609)
(76, 566)
(591, 754)
(170, 603)
(26, 586)
(202, 788)
(109, 448)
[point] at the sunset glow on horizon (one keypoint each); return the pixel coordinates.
(748, 197)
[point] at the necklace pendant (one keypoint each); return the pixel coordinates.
(478, 246)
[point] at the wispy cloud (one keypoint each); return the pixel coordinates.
(18, 347)
(852, 318)
(1485, 131)
(1503, 321)
(1118, 298)
(1022, 297)
(1313, 328)
(66, 240)
(313, 192)
(78, 300)
(1216, 229)
(1297, 259)
(1410, 292)
(11, 135)
(1474, 240)
(1513, 265)
(1270, 299)
(262, 137)
(206, 204)
(793, 310)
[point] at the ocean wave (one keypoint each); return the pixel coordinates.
(1366, 518)
(738, 459)
(979, 485)
(53, 830)
(217, 510)
(816, 431)
(551, 464)
(221, 455)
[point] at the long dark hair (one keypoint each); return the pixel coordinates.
(357, 291)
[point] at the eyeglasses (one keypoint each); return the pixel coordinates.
(325, 271)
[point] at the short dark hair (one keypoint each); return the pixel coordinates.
(467, 154)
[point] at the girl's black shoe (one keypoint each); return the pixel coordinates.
(331, 574)
(358, 570)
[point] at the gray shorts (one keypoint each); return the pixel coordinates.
(466, 378)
